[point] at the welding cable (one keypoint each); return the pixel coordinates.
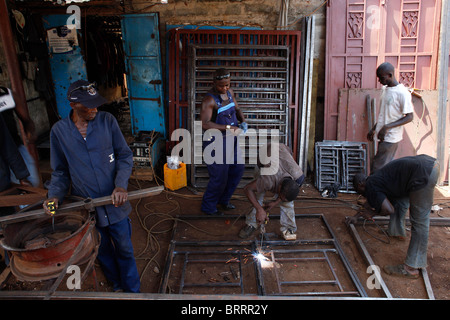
(152, 240)
(381, 229)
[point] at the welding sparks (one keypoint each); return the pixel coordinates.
(263, 260)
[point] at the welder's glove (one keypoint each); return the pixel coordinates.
(243, 126)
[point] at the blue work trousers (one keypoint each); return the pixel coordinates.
(116, 256)
(223, 180)
(419, 204)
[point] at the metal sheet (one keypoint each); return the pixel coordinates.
(144, 72)
(361, 35)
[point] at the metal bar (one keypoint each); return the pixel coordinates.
(437, 222)
(443, 65)
(87, 204)
(329, 294)
(333, 272)
(167, 268)
(70, 261)
(183, 272)
(241, 278)
(259, 274)
(212, 284)
(116, 296)
(427, 282)
(333, 282)
(369, 260)
(275, 270)
(341, 254)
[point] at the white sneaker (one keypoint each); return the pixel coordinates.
(289, 235)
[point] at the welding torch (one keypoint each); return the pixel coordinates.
(51, 206)
(262, 229)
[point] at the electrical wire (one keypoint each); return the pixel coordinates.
(381, 229)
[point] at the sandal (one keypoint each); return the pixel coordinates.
(400, 271)
(246, 231)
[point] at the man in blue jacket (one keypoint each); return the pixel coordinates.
(89, 153)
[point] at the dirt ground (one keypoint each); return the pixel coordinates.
(154, 220)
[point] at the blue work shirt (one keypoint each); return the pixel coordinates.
(94, 166)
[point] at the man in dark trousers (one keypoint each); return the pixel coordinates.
(220, 111)
(10, 160)
(402, 184)
(396, 110)
(89, 153)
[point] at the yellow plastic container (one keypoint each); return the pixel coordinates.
(175, 179)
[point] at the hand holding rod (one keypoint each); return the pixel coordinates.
(88, 204)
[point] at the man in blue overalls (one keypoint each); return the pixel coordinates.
(89, 154)
(220, 111)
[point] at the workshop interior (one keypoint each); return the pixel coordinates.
(302, 72)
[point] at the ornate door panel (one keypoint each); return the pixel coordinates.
(363, 34)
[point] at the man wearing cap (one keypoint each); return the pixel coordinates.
(89, 153)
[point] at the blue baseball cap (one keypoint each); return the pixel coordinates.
(84, 92)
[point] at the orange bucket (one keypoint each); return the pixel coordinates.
(175, 179)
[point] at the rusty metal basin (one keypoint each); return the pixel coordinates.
(39, 250)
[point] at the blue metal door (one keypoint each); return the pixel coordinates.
(140, 33)
(66, 60)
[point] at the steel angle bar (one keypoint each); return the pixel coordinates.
(436, 222)
(427, 282)
(433, 222)
(362, 248)
(349, 269)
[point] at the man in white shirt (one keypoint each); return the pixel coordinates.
(396, 110)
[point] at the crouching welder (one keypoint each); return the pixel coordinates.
(283, 177)
(220, 111)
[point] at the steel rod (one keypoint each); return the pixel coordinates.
(86, 204)
(333, 272)
(362, 248)
(427, 282)
(69, 262)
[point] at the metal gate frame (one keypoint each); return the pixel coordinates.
(251, 245)
(437, 222)
(179, 40)
(260, 76)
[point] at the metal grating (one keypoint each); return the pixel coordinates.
(179, 40)
(334, 277)
(338, 162)
(260, 76)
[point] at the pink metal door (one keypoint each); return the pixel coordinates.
(363, 34)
